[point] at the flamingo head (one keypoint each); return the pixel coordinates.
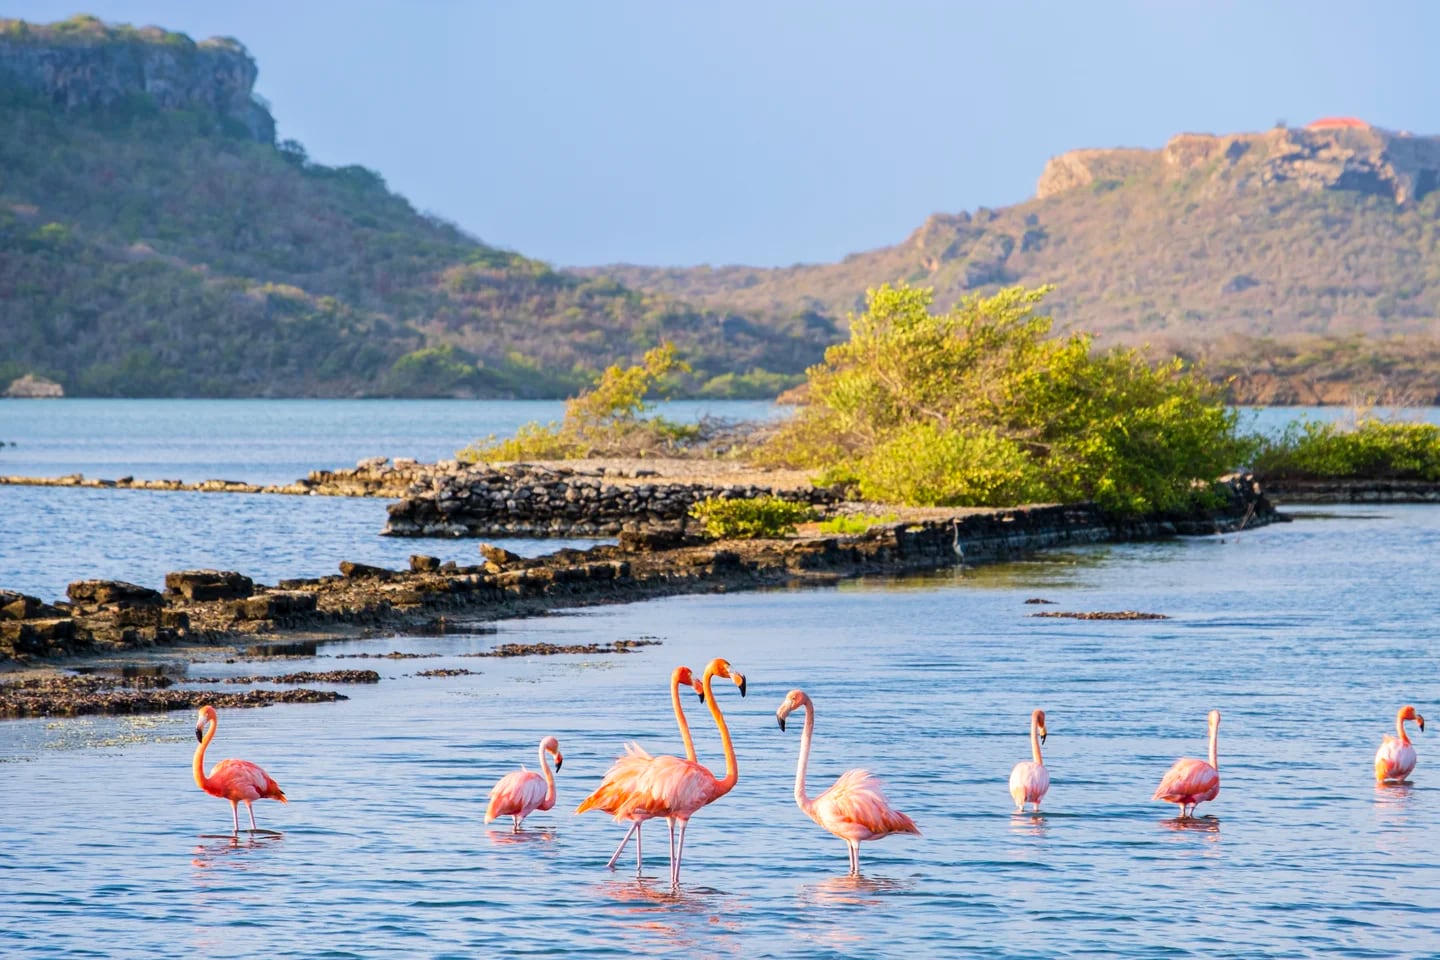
(1038, 718)
(720, 667)
(1214, 719)
(206, 715)
(1407, 712)
(685, 677)
(793, 701)
(552, 746)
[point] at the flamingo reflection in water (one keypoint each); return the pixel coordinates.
(234, 780)
(855, 807)
(641, 787)
(522, 792)
(622, 779)
(1190, 782)
(1396, 757)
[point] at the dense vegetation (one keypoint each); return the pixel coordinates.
(1369, 448)
(981, 406)
(164, 252)
(750, 518)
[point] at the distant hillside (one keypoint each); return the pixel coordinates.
(156, 241)
(1304, 261)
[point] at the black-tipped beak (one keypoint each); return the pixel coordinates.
(1043, 735)
(742, 689)
(559, 762)
(781, 720)
(701, 695)
(200, 731)
(1422, 725)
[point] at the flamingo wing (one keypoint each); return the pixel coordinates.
(670, 786)
(1394, 760)
(1029, 781)
(619, 782)
(1189, 781)
(855, 808)
(243, 780)
(517, 794)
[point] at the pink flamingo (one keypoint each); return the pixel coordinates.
(675, 789)
(854, 808)
(1396, 757)
(621, 779)
(522, 792)
(235, 780)
(1189, 782)
(1029, 780)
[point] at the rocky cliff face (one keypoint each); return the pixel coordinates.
(1327, 155)
(82, 62)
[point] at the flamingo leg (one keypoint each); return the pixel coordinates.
(235, 815)
(854, 857)
(674, 876)
(514, 824)
(637, 849)
(250, 809)
(635, 825)
(679, 853)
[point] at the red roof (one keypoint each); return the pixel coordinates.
(1332, 123)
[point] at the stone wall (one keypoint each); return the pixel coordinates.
(536, 501)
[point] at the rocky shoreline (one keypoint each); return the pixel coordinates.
(105, 619)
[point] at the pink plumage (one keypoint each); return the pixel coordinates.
(1029, 780)
(855, 807)
(522, 792)
(1190, 781)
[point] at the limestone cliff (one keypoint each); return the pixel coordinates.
(1332, 154)
(82, 62)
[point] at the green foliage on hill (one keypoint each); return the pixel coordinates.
(750, 518)
(1371, 448)
(151, 251)
(980, 406)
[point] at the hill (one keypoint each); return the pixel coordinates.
(1305, 262)
(155, 240)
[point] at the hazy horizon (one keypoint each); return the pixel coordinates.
(685, 134)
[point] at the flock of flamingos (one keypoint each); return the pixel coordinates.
(641, 787)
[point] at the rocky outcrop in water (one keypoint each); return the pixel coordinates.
(31, 387)
(82, 63)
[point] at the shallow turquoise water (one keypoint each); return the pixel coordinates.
(1307, 636)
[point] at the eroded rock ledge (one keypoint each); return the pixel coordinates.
(223, 606)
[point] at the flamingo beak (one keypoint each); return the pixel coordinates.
(1421, 721)
(1043, 734)
(200, 731)
(559, 761)
(780, 720)
(740, 682)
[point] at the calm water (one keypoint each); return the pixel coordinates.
(1308, 636)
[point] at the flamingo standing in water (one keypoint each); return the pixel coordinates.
(675, 789)
(1396, 757)
(1189, 782)
(1029, 780)
(235, 780)
(620, 780)
(522, 792)
(854, 808)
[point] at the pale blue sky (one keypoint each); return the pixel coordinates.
(772, 132)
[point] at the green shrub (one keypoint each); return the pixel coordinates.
(981, 406)
(1369, 448)
(724, 518)
(858, 523)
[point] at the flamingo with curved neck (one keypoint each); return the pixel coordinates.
(234, 780)
(854, 808)
(1396, 757)
(1189, 781)
(620, 781)
(1030, 780)
(522, 792)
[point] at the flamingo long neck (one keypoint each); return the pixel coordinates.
(549, 800)
(801, 799)
(732, 770)
(680, 716)
(1035, 742)
(1400, 728)
(1214, 743)
(201, 780)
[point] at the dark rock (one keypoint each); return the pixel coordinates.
(363, 571)
(203, 585)
(499, 555)
(423, 564)
(113, 592)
